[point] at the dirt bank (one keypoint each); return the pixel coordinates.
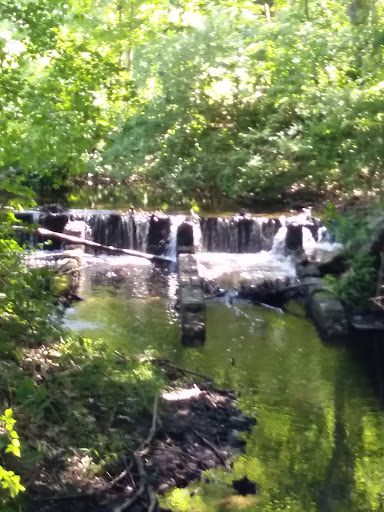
(192, 427)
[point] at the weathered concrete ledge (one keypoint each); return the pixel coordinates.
(329, 315)
(192, 304)
(326, 310)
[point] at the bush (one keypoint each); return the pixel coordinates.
(358, 284)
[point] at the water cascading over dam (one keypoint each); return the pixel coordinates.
(159, 233)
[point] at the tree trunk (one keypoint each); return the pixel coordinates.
(108, 248)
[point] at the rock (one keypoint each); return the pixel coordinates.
(313, 285)
(158, 233)
(76, 228)
(53, 222)
(67, 264)
(191, 299)
(25, 217)
(234, 442)
(309, 270)
(53, 208)
(197, 282)
(193, 333)
(191, 302)
(242, 423)
(268, 231)
(187, 266)
(184, 238)
(267, 292)
(294, 237)
(245, 486)
(329, 315)
(368, 322)
(325, 253)
(336, 265)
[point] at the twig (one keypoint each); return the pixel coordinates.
(140, 467)
(152, 430)
(212, 447)
(152, 499)
(177, 450)
(91, 492)
(378, 301)
(143, 476)
(117, 479)
(178, 368)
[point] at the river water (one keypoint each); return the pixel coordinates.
(319, 441)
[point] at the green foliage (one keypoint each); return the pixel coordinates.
(349, 228)
(26, 296)
(358, 284)
(216, 102)
(97, 391)
(9, 443)
(234, 106)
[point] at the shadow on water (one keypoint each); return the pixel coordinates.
(319, 442)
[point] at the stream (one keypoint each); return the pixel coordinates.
(319, 441)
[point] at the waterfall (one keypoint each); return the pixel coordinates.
(142, 221)
(125, 231)
(278, 246)
(309, 243)
(197, 236)
(238, 234)
(171, 249)
(163, 234)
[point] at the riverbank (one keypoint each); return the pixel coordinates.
(192, 427)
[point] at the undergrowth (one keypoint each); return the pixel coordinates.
(358, 284)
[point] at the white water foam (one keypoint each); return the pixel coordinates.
(233, 270)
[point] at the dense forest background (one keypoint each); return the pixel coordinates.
(191, 102)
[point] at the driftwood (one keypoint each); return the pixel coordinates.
(108, 248)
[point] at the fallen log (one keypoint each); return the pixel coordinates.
(108, 248)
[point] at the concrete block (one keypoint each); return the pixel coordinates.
(329, 315)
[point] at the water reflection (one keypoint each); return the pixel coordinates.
(319, 441)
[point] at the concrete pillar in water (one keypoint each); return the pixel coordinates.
(294, 237)
(192, 304)
(184, 240)
(76, 228)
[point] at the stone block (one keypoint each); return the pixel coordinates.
(191, 299)
(192, 304)
(193, 334)
(329, 315)
(310, 270)
(77, 228)
(294, 237)
(67, 264)
(196, 281)
(76, 254)
(313, 284)
(184, 281)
